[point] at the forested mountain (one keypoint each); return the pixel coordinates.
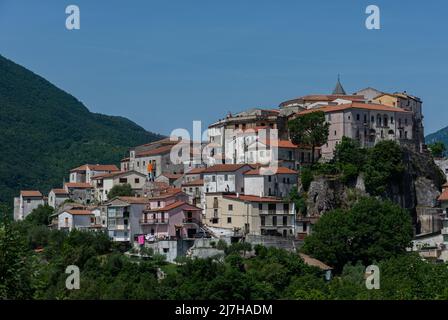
(438, 136)
(45, 131)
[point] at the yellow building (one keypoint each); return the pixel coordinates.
(250, 214)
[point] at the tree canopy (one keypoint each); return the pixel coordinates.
(309, 129)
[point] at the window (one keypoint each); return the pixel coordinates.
(138, 164)
(269, 178)
(372, 119)
(229, 220)
(406, 121)
(305, 226)
(215, 213)
(230, 207)
(285, 220)
(260, 206)
(213, 178)
(334, 132)
(286, 207)
(405, 134)
(274, 220)
(123, 180)
(137, 180)
(226, 177)
(158, 204)
(263, 220)
(365, 118)
(357, 117)
(271, 207)
(166, 250)
(391, 120)
(28, 200)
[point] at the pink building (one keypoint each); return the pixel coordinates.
(366, 122)
(177, 220)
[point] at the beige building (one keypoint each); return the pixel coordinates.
(84, 173)
(102, 184)
(407, 102)
(250, 214)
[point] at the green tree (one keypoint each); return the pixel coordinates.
(40, 215)
(371, 230)
(384, 164)
(15, 264)
(309, 129)
(123, 190)
(298, 200)
(437, 149)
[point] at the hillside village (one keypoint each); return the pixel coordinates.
(179, 208)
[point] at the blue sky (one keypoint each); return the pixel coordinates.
(164, 64)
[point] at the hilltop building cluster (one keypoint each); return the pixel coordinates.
(223, 189)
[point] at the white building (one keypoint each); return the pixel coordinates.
(80, 219)
(225, 178)
(27, 202)
(84, 173)
(103, 183)
(57, 196)
(264, 182)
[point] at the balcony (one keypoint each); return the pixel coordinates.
(191, 220)
(153, 221)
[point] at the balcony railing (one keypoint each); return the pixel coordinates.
(154, 221)
(191, 220)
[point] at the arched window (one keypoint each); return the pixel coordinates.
(385, 120)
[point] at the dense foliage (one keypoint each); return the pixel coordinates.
(45, 131)
(369, 231)
(309, 129)
(33, 260)
(121, 190)
(437, 149)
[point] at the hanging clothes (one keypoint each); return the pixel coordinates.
(141, 240)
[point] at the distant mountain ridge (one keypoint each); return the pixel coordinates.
(438, 136)
(45, 131)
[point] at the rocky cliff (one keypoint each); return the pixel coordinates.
(417, 190)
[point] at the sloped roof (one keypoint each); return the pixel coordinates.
(314, 262)
(365, 106)
(175, 205)
(78, 185)
(30, 193)
(79, 212)
(96, 167)
(267, 171)
(252, 198)
(59, 191)
(225, 168)
(197, 182)
(338, 89)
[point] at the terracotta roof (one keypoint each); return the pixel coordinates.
(314, 262)
(195, 171)
(323, 97)
(124, 159)
(134, 200)
(30, 193)
(96, 167)
(59, 191)
(175, 205)
(267, 171)
(169, 193)
(197, 182)
(225, 168)
(156, 151)
(115, 174)
(79, 212)
(252, 198)
(78, 185)
(443, 196)
(172, 175)
(279, 143)
(366, 106)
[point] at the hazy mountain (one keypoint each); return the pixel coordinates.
(45, 131)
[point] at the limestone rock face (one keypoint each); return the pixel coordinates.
(417, 190)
